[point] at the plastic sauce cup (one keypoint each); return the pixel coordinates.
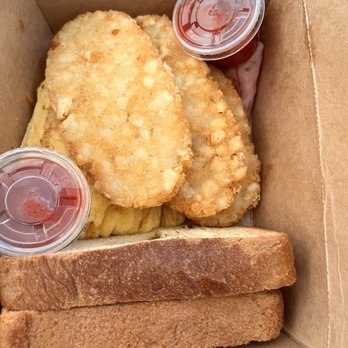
(224, 31)
(44, 201)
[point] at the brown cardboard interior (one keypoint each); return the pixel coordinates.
(299, 131)
(286, 137)
(24, 40)
(300, 135)
(59, 12)
(281, 342)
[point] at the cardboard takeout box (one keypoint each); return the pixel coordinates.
(299, 131)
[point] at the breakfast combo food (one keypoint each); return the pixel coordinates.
(116, 212)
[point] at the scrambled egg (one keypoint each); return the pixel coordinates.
(105, 219)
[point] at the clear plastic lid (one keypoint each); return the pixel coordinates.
(216, 29)
(44, 201)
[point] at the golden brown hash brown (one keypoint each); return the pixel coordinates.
(118, 109)
(218, 153)
(105, 218)
(249, 194)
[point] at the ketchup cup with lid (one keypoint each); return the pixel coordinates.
(44, 201)
(225, 31)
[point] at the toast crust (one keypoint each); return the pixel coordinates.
(205, 322)
(179, 264)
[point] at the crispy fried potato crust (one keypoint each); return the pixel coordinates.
(218, 163)
(105, 219)
(118, 109)
(249, 194)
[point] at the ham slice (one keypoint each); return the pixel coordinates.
(245, 77)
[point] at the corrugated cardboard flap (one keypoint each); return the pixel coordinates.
(327, 35)
(300, 133)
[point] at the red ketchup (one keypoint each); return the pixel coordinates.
(44, 201)
(224, 31)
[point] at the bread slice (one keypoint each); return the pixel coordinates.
(205, 322)
(160, 265)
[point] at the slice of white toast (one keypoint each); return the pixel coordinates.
(160, 265)
(204, 323)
